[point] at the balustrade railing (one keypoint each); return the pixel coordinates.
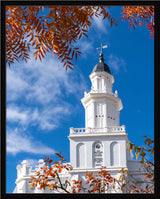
(113, 129)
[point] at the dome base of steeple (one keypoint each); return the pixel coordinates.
(101, 66)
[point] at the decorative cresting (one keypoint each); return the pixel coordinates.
(115, 153)
(81, 155)
(97, 154)
(25, 169)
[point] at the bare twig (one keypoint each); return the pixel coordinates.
(61, 186)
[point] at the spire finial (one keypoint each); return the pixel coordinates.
(101, 47)
(101, 54)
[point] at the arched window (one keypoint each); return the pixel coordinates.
(97, 154)
(114, 154)
(81, 155)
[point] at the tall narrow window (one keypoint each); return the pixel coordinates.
(97, 154)
(99, 114)
(99, 84)
(114, 154)
(81, 155)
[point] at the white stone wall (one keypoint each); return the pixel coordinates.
(111, 153)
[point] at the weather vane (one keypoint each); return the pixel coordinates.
(102, 47)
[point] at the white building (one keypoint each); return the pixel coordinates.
(101, 143)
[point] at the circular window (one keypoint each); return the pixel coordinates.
(98, 146)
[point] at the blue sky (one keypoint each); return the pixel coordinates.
(43, 100)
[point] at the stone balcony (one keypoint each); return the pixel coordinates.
(111, 129)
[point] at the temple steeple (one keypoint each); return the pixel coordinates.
(90, 146)
(101, 104)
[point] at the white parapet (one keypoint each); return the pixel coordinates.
(111, 129)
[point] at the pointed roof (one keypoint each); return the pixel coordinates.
(101, 66)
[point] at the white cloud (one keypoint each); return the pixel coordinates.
(85, 46)
(16, 86)
(42, 92)
(44, 118)
(14, 114)
(18, 141)
(100, 24)
(116, 64)
(43, 82)
(48, 118)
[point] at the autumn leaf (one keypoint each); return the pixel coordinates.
(140, 14)
(121, 176)
(142, 154)
(147, 140)
(59, 155)
(32, 177)
(123, 185)
(128, 143)
(126, 171)
(142, 161)
(144, 136)
(57, 31)
(131, 147)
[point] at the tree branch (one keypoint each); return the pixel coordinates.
(61, 186)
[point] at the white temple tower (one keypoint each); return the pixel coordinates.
(102, 142)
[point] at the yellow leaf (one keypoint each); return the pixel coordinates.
(131, 147)
(121, 176)
(128, 143)
(142, 154)
(126, 171)
(33, 177)
(49, 186)
(137, 155)
(123, 185)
